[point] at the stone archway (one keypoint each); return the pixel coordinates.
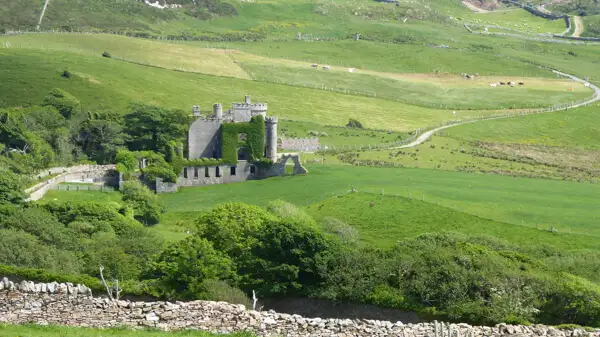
(278, 168)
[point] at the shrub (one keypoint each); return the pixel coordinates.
(106, 54)
(146, 206)
(354, 124)
(66, 74)
(64, 102)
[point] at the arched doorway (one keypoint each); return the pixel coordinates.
(243, 154)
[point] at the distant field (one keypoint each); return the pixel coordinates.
(577, 128)
(102, 83)
(390, 219)
(438, 91)
(519, 20)
(55, 331)
(532, 202)
(177, 56)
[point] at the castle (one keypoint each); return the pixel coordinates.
(232, 146)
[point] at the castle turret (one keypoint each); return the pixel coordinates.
(271, 137)
(247, 99)
(218, 111)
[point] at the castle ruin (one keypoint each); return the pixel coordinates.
(231, 146)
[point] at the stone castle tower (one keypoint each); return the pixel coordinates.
(204, 135)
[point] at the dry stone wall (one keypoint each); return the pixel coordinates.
(73, 305)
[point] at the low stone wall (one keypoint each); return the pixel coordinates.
(105, 174)
(67, 304)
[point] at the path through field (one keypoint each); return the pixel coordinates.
(422, 138)
(42, 14)
(579, 27)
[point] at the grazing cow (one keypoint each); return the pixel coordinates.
(521, 84)
(502, 83)
(468, 77)
(314, 65)
(587, 85)
(351, 70)
(511, 83)
(326, 67)
(493, 85)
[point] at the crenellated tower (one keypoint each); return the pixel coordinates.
(271, 138)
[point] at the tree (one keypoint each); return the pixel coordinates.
(354, 124)
(100, 137)
(64, 102)
(183, 268)
(11, 188)
(146, 206)
(152, 128)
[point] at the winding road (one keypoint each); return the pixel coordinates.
(422, 138)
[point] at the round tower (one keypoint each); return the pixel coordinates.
(218, 111)
(271, 137)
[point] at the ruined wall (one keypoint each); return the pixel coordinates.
(204, 139)
(104, 174)
(300, 144)
(73, 305)
(207, 175)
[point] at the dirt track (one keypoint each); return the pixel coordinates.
(579, 27)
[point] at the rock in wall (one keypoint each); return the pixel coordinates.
(73, 305)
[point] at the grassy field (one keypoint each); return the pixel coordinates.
(439, 91)
(464, 199)
(177, 56)
(392, 218)
(575, 128)
(519, 20)
(55, 331)
(337, 136)
(570, 207)
(101, 83)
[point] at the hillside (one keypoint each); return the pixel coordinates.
(491, 221)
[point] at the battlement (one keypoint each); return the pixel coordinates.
(257, 106)
(271, 120)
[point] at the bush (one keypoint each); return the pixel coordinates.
(106, 54)
(146, 206)
(64, 102)
(66, 74)
(354, 124)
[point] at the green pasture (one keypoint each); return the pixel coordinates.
(435, 94)
(570, 207)
(61, 331)
(519, 20)
(101, 83)
(433, 91)
(384, 220)
(591, 26)
(164, 54)
(575, 128)
(337, 136)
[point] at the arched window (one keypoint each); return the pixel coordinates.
(218, 172)
(185, 173)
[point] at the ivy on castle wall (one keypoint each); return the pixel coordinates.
(255, 142)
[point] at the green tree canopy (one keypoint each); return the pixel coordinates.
(62, 101)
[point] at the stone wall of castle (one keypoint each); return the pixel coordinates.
(300, 144)
(73, 305)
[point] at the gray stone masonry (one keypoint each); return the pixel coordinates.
(73, 305)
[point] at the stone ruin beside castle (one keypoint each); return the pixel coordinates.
(205, 141)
